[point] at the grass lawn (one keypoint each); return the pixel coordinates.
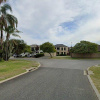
(69, 57)
(15, 67)
(96, 76)
(62, 57)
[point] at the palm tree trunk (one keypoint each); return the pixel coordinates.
(1, 42)
(7, 47)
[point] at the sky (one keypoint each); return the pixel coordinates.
(58, 21)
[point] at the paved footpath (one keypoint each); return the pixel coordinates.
(54, 80)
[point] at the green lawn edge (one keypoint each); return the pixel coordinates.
(70, 58)
(95, 76)
(12, 68)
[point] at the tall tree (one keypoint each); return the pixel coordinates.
(10, 30)
(19, 46)
(6, 19)
(3, 20)
(48, 47)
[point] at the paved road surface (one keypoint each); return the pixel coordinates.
(55, 80)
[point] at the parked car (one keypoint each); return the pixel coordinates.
(24, 54)
(14, 55)
(29, 55)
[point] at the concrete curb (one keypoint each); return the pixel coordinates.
(93, 86)
(27, 71)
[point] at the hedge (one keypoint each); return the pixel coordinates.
(39, 55)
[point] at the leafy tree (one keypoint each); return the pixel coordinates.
(48, 47)
(19, 46)
(85, 47)
(27, 49)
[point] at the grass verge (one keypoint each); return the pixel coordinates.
(14, 67)
(96, 76)
(62, 57)
(70, 58)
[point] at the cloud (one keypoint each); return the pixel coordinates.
(62, 21)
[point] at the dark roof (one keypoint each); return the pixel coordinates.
(60, 45)
(99, 48)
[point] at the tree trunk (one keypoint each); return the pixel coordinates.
(1, 42)
(7, 47)
(50, 55)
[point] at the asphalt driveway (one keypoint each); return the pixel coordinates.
(54, 80)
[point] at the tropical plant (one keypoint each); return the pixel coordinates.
(4, 20)
(19, 46)
(8, 23)
(7, 51)
(10, 30)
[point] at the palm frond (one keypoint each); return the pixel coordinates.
(16, 35)
(5, 7)
(12, 20)
(14, 42)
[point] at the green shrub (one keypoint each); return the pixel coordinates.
(84, 47)
(39, 55)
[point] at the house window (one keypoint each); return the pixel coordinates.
(64, 53)
(61, 52)
(61, 48)
(57, 48)
(57, 53)
(64, 48)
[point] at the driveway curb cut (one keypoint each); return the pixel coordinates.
(93, 86)
(27, 71)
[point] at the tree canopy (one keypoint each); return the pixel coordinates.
(20, 46)
(48, 47)
(27, 49)
(8, 25)
(85, 47)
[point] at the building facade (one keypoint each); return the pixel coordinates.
(61, 49)
(35, 48)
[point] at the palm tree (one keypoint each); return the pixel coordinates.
(10, 30)
(2, 1)
(6, 19)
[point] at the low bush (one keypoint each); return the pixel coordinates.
(39, 55)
